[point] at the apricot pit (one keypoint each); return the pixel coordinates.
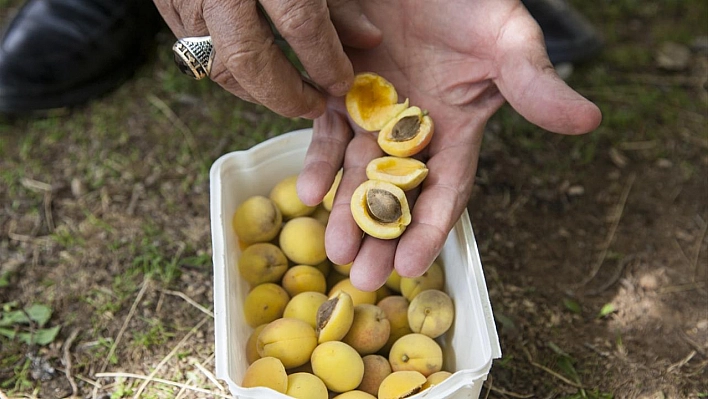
(380, 209)
(407, 134)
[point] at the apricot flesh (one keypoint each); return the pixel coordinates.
(406, 173)
(401, 384)
(407, 134)
(380, 209)
(372, 101)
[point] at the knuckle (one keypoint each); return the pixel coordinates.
(303, 22)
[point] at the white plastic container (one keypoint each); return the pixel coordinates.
(468, 347)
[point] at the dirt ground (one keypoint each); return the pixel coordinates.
(594, 247)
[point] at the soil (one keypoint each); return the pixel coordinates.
(594, 247)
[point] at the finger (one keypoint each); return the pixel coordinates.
(343, 236)
(443, 198)
(530, 84)
(246, 51)
(330, 135)
(373, 263)
(308, 29)
(353, 26)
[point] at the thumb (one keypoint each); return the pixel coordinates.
(528, 81)
(353, 27)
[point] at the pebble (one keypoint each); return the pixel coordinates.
(673, 56)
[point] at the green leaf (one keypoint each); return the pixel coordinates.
(40, 314)
(13, 317)
(4, 280)
(572, 306)
(41, 337)
(6, 332)
(607, 309)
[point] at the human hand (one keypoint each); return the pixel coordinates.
(460, 60)
(249, 63)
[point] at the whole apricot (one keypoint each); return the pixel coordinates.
(284, 195)
(407, 134)
(328, 199)
(433, 278)
(302, 240)
(356, 394)
(262, 262)
(358, 296)
(436, 378)
(303, 278)
(289, 340)
(257, 219)
(394, 281)
(372, 101)
(251, 344)
(396, 309)
(369, 331)
(265, 303)
(431, 313)
(306, 386)
(416, 352)
(304, 306)
(338, 365)
(376, 368)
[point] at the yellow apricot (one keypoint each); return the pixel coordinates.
(266, 372)
(376, 368)
(284, 195)
(304, 306)
(396, 309)
(372, 101)
(303, 278)
(265, 303)
(251, 345)
(356, 394)
(406, 173)
(328, 199)
(335, 317)
(436, 378)
(380, 209)
(257, 219)
(416, 352)
(401, 384)
(289, 340)
(302, 240)
(370, 329)
(433, 278)
(407, 134)
(306, 386)
(262, 262)
(338, 365)
(358, 296)
(431, 313)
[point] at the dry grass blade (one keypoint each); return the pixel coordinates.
(163, 381)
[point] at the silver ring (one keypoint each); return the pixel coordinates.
(194, 56)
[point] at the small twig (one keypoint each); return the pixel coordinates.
(209, 375)
(681, 362)
(190, 301)
(124, 327)
(176, 121)
(682, 287)
(560, 377)
(619, 210)
(617, 274)
(67, 361)
(697, 251)
(163, 381)
(169, 356)
(507, 393)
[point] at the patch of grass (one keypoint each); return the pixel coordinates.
(156, 335)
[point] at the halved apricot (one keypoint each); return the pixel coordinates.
(380, 209)
(407, 134)
(372, 101)
(406, 173)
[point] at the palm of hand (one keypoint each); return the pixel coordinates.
(459, 61)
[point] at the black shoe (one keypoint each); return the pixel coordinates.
(569, 36)
(61, 53)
